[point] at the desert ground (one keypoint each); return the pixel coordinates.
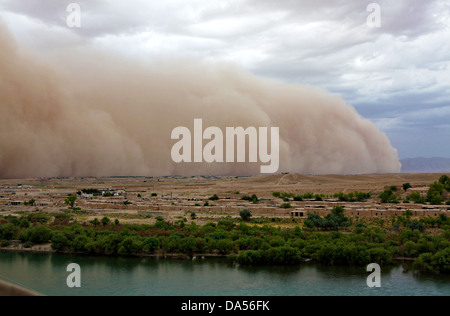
(142, 199)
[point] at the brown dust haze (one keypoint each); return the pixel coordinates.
(91, 113)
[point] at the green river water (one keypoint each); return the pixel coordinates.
(46, 274)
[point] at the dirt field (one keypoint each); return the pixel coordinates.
(177, 197)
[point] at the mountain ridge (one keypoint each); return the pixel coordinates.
(425, 165)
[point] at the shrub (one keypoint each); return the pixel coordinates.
(245, 214)
(407, 186)
(59, 241)
(214, 198)
(151, 245)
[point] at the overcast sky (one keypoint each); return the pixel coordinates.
(397, 75)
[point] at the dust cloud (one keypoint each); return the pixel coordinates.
(91, 113)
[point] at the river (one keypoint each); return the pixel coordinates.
(46, 274)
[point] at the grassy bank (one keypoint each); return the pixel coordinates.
(333, 240)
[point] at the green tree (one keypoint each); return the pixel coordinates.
(130, 245)
(151, 244)
(444, 179)
(105, 221)
(245, 214)
(214, 198)
(59, 241)
(434, 194)
(407, 186)
(416, 197)
(7, 231)
(70, 200)
(95, 222)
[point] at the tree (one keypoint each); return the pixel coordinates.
(95, 222)
(388, 197)
(130, 245)
(214, 198)
(70, 200)
(416, 198)
(444, 179)
(193, 215)
(7, 232)
(407, 186)
(30, 202)
(38, 234)
(59, 241)
(434, 194)
(151, 244)
(245, 214)
(105, 221)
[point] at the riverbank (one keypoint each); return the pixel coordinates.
(339, 243)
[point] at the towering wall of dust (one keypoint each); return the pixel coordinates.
(92, 114)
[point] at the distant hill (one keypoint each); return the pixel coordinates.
(425, 165)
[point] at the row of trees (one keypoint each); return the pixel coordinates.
(243, 243)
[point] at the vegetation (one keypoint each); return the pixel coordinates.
(214, 198)
(332, 240)
(416, 197)
(436, 191)
(30, 202)
(353, 196)
(70, 200)
(407, 186)
(94, 192)
(388, 196)
(254, 198)
(245, 214)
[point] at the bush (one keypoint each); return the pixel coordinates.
(7, 232)
(245, 214)
(105, 221)
(286, 205)
(59, 241)
(388, 197)
(151, 245)
(407, 186)
(130, 245)
(415, 224)
(416, 198)
(214, 198)
(440, 261)
(434, 194)
(37, 235)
